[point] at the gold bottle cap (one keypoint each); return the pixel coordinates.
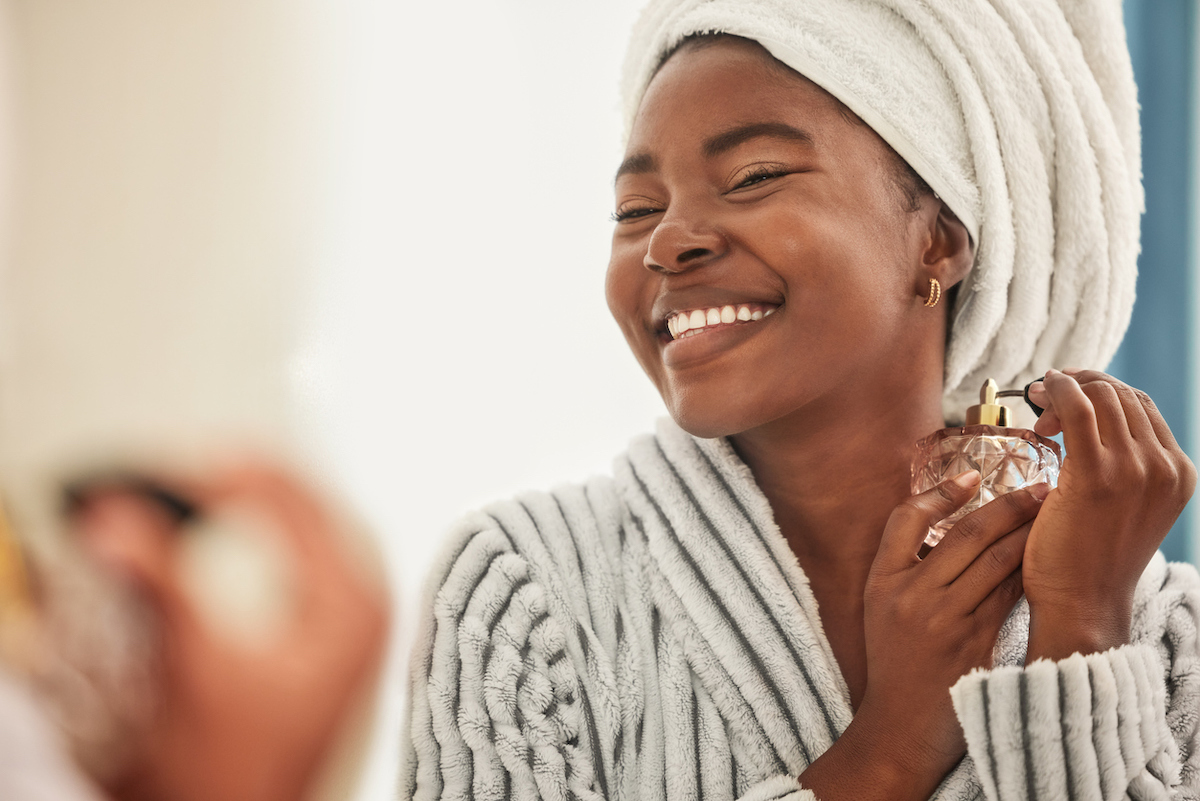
(989, 412)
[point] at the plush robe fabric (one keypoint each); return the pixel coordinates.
(651, 636)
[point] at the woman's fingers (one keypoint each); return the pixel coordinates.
(1161, 430)
(990, 568)
(1121, 411)
(910, 521)
(1048, 425)
(261, 499)
(1128, 408)
(138, 541)
(1145, 421)
(277, 506)
(1110, 414)
(1137, 416)
(1152, 448)
(994, 609)
(251, 484)
(1081, 432)
(330, 597)
(972, 541)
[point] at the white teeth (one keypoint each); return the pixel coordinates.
(683, 324)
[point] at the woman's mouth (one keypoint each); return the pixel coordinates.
(689, 323)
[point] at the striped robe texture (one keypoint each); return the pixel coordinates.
(651, 636)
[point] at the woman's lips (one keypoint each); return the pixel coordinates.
(687, 346)
(692, 322)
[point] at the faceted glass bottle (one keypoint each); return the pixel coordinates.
(1007, 458)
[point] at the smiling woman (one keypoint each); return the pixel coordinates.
(741, 609)
(769, 196)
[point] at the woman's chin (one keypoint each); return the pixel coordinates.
(708, 423)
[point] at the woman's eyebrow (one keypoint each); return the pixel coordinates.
(721, 143)
(728, 140)
(637, 163)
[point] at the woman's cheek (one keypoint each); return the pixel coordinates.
(620, 286)
(630, 294)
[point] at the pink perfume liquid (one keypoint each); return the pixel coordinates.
(1007, 459)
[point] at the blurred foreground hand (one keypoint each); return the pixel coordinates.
(251, 716)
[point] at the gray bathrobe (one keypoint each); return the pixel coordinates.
(651, 636)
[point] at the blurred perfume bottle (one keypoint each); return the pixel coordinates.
(84, 645)
(1007, 458)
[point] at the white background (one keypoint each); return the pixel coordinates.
(459, 348)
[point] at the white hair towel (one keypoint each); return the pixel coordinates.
(1020, 114)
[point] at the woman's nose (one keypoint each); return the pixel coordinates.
(679, 244)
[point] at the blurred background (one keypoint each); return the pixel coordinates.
(372, 235)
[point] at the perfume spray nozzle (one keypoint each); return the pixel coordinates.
(989, 412)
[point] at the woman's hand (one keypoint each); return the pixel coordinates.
(236, 719)
(927, 623)
(1124, 482)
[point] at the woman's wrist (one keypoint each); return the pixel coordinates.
(871, 762)
(1056, 632)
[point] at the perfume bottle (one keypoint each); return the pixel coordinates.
(81, 644)
(1007, 458)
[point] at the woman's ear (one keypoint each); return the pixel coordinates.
(950, 252)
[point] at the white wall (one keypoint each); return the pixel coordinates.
(171, 160)
(459, 348)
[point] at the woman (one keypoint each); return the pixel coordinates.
(740, 611)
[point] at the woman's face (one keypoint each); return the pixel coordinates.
(752, 212)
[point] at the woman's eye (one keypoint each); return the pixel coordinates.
(622, 215)
(758, 176)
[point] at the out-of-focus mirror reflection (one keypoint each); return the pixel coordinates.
(365, 238)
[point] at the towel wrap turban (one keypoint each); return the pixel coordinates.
(1021, 114)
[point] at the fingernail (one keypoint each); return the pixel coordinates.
(1039, 491)
(1037, 390)
(967, 480)
(1051, 372)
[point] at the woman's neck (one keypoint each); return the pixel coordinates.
(834, 475)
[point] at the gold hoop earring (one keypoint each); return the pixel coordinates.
(935, 293)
